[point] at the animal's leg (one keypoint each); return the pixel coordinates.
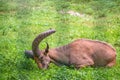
(80, 66)
(84, 65)
(112, 63)
(57, 63)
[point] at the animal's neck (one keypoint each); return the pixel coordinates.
(53, 54)
(58, 57)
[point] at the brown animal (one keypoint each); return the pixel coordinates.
(79, 53)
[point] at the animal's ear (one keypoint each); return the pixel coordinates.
(47, 49)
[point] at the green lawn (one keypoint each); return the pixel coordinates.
(22, 20)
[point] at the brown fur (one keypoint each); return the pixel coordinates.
(80, 53)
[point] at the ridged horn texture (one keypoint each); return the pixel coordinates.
(38, 39)
(47, 49)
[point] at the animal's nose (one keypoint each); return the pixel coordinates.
(45, 66)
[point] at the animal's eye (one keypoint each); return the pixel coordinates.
(41, 58)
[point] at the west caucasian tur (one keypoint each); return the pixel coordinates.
(79, 53)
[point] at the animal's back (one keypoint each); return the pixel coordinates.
(97, 53)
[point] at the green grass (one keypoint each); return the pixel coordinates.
(22, 20)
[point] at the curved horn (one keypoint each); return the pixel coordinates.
(46, 49)
(38, 39)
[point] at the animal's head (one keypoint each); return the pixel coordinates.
(41, 56)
